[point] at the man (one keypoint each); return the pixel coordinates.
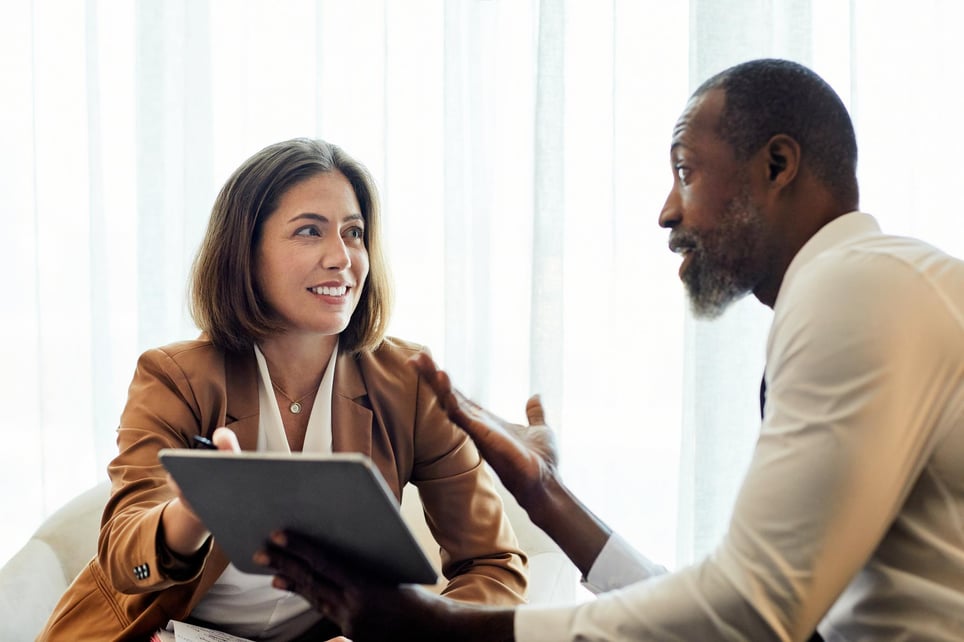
(851, 515)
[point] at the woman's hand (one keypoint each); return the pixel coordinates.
(523, 457)
(225, 439)
(183, 531)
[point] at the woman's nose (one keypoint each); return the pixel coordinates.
(336, 255)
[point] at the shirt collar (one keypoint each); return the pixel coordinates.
(837, 232)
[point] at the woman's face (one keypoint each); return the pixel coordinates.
(311, 262)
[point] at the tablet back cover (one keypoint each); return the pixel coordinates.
(340, 500)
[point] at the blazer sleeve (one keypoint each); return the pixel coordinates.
(162, 411)
(480, 555)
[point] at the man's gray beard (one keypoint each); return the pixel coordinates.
(722, 268)
(710, 294)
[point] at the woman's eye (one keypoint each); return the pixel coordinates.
(682, 172)
(355, 233)
(307, 230)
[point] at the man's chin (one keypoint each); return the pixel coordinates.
(707, 308)
(705, 312)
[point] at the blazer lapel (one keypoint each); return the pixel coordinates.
(241, 385)
(351, 420)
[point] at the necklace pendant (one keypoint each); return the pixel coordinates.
(295, 407)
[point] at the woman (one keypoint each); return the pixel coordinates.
(291, 290)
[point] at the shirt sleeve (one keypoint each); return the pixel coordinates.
(848, 428)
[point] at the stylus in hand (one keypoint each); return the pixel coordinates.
(204, 442)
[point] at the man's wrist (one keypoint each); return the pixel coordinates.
(474, 623)
(543, 501)
(574, 528)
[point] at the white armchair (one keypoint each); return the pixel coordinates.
(33, 580)
(552, 577)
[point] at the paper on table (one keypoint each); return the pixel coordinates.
(184, 632)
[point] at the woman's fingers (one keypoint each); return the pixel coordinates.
(225, 439)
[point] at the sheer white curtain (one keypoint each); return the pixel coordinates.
(522, 152)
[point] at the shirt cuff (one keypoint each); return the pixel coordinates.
(619, 565)
(543, 623)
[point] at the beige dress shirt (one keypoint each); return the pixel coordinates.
(852, 511)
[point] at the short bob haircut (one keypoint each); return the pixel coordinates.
(225, 299)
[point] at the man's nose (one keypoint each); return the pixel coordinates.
(671, 214)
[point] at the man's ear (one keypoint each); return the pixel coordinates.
(783, 160)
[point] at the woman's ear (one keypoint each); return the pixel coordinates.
(783, 160)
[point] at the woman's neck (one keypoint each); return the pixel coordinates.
(297, 363)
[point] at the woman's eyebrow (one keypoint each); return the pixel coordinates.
(321, 218)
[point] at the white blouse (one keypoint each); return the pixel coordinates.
(246, 604)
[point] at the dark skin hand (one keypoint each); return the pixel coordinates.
(367, 610)
(525, 458)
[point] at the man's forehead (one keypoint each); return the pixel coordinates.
(700, 116)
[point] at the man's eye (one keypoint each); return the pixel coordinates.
(682, 172)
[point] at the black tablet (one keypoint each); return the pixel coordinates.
(341, 500)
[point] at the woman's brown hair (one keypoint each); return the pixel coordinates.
(225, 300)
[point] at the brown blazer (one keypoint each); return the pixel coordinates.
(380, 407)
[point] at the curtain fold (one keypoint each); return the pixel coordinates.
(546, 329)
(521, 149)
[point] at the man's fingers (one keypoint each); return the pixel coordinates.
(295, 545)
(300, 566)
(438, 381)
(423, 363)
(469, 416)
(534, 412)
(323, 595)
(441, 383)
(462, 411)
(469, 404)
(452, 401)
(425, 367)
(460, 418)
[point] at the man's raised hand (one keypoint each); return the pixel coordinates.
(522, 456)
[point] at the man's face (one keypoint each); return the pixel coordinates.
(710, 211)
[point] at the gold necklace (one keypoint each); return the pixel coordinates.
(296, 405)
